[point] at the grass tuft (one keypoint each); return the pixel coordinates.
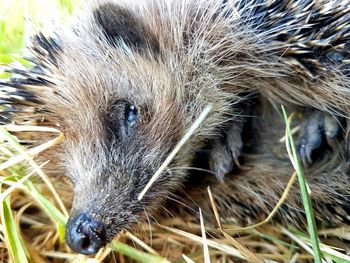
(291, 149)
(16, 247)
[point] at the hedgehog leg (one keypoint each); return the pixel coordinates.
(319, 131)
(225, 152)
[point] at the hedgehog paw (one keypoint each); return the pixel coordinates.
(225, 152)
(318, 131)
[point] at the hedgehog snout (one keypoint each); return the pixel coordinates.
(84, 234)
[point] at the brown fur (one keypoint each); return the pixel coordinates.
(171, 59)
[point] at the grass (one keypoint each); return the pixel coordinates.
(15, 245)
(291, 149)
(34, 207)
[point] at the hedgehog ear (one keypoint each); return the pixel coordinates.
(119, 23)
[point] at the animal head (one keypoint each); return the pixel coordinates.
(124, 87)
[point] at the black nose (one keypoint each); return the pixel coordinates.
(85, 235)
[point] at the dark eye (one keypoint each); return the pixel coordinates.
(130, 115)
(121, 120)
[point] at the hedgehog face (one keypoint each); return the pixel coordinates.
(108, 176)
(109, 169)
(123, 100)
(116, 103)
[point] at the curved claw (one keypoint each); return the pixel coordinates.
(225, 153)
(220, 161)
(305, 152)
(317, 130)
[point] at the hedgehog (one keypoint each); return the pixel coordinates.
(128, 79)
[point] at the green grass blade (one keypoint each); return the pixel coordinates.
(335, 258)
(50, 209)
(15, 245)
(304, 193)
(136, 254)
(54, 213)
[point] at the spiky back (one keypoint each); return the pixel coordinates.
(315, 33)
(303, 41)
(18, 94)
